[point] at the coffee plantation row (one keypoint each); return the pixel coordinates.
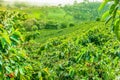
(93, 55)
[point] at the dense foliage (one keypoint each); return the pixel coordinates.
(90, 55)
(12, 56)
(57, 44)
(85, 11)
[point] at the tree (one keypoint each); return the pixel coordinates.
(112, 14)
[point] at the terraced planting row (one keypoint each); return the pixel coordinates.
(93, 54)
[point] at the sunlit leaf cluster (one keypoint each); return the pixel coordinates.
(12, 55)
(113, 14)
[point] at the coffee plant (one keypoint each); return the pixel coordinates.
(12, 56)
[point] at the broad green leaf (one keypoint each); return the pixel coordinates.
(8, 69)
(18, 57)
(13, 50)
(115, 11)
(6, 37)
(21, 71)
(23, 53)
(46, 70)
(71, 73)
(103, 4)
(117, 22)
(2, 30)
(16, 72)
(17, 33)
(15, 38)
(112, 8)
(108, 19)
(105, 15)
(12, 61)
(3, 42)
(116, 28)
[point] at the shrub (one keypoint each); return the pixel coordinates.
(34, 28)
(28, 24)
(91, 55)
(71, 25)
(63, 25)
(13, 58)
(51, 25)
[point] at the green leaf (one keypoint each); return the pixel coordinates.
(21, 71)
(115, 11)
(105, 15)
(18, 34)
(108, 19)
(1, 28)
(0, 62)
(112, 8)
(6, 37)
(116, 28)
(116, 1)
(71, 73)
(16, 72)
(15, 38)
(3, 42)
(12, 61)
(8, 69)
(103, 5)
(22, 77)
(117, 22)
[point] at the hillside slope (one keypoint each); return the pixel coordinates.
(90, 52)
